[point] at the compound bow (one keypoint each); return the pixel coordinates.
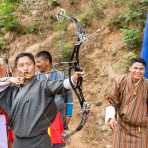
(75, 65)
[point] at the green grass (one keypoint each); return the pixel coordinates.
(134, 13)
(66, 51)
(2, 43)
(8, 19)
(132, 37)
(54, 3)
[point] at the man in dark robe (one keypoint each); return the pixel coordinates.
(30, 103)
(64, 102)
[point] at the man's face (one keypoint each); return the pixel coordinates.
(137, 70)
(42, 65)
(25, 65)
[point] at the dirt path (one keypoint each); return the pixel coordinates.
(76, 142)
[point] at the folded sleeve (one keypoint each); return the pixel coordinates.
(109, 113)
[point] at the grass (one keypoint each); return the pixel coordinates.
(8, 19)
(132, 37)
(134, 13)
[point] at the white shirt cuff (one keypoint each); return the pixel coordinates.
(67, 84)
(109, 113)
(3, 84)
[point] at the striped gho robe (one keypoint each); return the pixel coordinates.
(130, 102)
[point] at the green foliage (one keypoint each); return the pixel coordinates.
(6, 8)
(97, 4)
(54, 3)
(13, 1)
(94, 11)
(8, 20)
(33, 29)
(85, 18)
(132, 38)
(66, 51)
(126, 18)
(134, 14)
(118, 21)
(11, 23)
(118, 2)
(52, 18)
(96, 8)
(2, 43)
(137, 11)
(60, 25)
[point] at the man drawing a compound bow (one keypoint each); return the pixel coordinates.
(27, 99)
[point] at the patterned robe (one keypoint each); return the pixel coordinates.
(131, 103)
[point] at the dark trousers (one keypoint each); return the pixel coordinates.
(58, 146)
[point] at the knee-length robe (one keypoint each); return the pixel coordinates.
(32, 108)
(131, 103)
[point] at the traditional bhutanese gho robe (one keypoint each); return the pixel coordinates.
(32, 108)
(131, 104)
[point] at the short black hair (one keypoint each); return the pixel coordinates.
(45, 55)
(139, 60)
(24, 54)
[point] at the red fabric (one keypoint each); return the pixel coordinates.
(56, 130)
(10, 135)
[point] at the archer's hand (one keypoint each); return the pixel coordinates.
(112, 123)
(16, 80)
(77, 75)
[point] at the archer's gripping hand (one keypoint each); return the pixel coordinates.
(77, 75)
(112, 123)
(73, 80)
(16, 80)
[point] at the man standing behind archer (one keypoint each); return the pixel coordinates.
(47, 72)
